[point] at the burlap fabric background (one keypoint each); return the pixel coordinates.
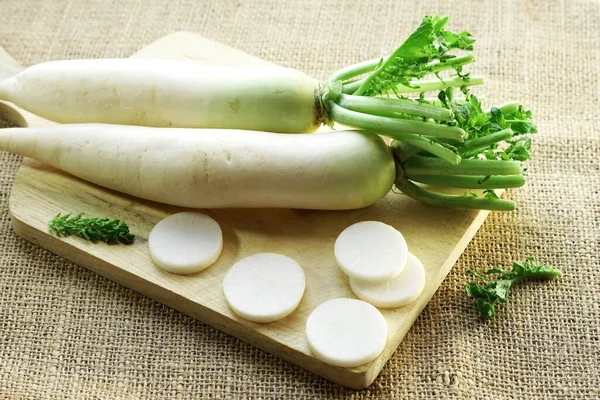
(68, 333)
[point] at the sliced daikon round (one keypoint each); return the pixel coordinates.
(371, 251)
(397, 292)
(264, 287)
(185, 242)
(346, 332)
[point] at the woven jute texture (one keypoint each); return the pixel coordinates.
(68, 333)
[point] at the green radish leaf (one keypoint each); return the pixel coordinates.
(429, 42)
(478, 124)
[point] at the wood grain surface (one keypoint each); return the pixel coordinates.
(436, 236)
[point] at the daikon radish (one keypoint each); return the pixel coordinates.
(217, 168)
(371, 251)
(399, 291)
(346, 332)
(264, 287)
(185, 243)
(163, 93)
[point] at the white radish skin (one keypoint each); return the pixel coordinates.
(163, 93)
(397, 292)
(185, 243)
(346, 332)
(264, 287)
(217, 168)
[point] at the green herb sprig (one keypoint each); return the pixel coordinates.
(491, 292)
(92, 229)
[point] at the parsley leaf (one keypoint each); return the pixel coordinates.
(92, 229)
(490, 292)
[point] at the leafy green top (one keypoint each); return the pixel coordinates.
(494, 291)
(470, 117)
(486, 137)
(412, 60)
(92, 229)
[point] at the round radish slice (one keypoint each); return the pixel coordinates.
(185, 243)
(264, 287)
(397, 292)
(346, 332)
(371, 251)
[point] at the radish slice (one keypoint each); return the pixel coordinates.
(371, 251)
(401, 290)
(346, 332)
(185, 243)
(264, 287)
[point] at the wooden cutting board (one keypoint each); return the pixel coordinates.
(436, 236)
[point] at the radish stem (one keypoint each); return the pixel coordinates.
(452, 201)
(392, 127)
(434, 148)
(419, 165)
(439, 84)
(434, 101)
(374, 105)
(354, 70)
(452, 63)
(486, 141)
(506, 108)
(471, 182)
(417, 86)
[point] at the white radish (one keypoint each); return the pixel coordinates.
(164, 93)
(346, 332)
(264, 287)
(397, 292)
(371, 251)
(217, 168)
(185, 243)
